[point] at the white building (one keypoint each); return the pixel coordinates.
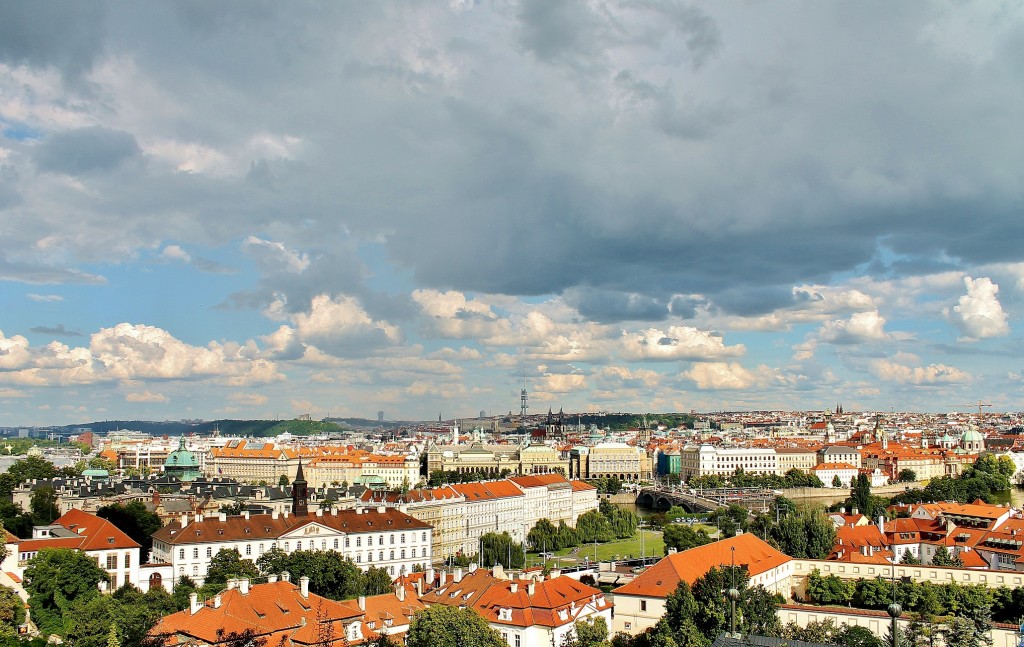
(707, 459)
(382, 537)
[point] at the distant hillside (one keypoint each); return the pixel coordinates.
(257, 428)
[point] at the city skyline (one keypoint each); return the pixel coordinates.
(264, 211)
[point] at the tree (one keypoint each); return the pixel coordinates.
(183, 588)
(376, 581)
(12, 612)
(134, 520)
(588, 633)
(860, 494)
(55, 578)
(43, 505)
(906, 476)
(226, 564)
(499, 548)
(444, 626)
(836, 481)
(908, 558)
(829, 590)
(283, 480)
(855, 636)
(943, 558)
(683, 537)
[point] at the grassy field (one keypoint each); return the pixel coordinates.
(653, 545)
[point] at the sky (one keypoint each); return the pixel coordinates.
(266, 209)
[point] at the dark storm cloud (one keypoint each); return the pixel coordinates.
(84, 150)
(65, 34)
(608, 306)
(59, 331)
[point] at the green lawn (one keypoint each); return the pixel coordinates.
(653, 545)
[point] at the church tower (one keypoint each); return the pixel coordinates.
(300, 494)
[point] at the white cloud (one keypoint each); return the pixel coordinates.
(341, 326)
(978, 314)
(248, 399)
(720, 376)
(861, 327)
(146, 396)
(44, 298)
(13, 352)
(678, 343)
(933, 374)
(275, 257)
(175, 253)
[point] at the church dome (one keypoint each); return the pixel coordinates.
(971, 435)
(182, 463)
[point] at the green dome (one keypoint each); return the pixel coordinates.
(182, 463)
(971, 435)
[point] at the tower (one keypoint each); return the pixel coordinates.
(300, 494)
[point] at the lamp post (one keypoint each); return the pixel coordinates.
(894, 611)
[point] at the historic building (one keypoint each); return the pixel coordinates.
(183, 464)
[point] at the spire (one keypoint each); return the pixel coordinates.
(300, 494)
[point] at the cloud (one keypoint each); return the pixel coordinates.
(249, 399)
(59, 330)
(175, 253)
(978, 314)
(84, 150)
(720, 376)
(146, 396)
(861, 327)
(44, 298)
(677, 343)
(341, 326)
(931, 375)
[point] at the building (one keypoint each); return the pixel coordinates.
(829, 472)
(801, 458)
(114, 552)
(641, 603)
(526, 611)
(182, 464)
(275, 613)
(707, 459)
(383, 537)
(495, 460)
(620, 461)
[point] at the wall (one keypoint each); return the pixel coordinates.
(876, 621)
(992, 579)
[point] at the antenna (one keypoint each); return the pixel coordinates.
(523, 397)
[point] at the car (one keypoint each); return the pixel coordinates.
(546, 555)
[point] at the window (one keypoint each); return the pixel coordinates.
(392, 539)
(209, 551)
(195, 553)
(298, 545)
(414, 553)
(261, 549)
(346, 542)
(403, 553)
(380, 540)
(392, 556)
(381, 556)
(643, 605)
(335, 543)
(248, 549)
(359, 558)
(423, 537)
(181, 554)
(111, 561)
(286, 546)
(518, 642)
(127, 560)
(113, 581)
(403, 537)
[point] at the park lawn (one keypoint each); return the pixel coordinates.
(653, 545)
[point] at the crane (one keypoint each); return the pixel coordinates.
(978, 404)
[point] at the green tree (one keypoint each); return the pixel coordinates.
(226, 564)
(134, 520)
(500, 548)
(908, 558)
(943, 558)
(444, 626)
(32, 467)
(836, 481)
(860, 495)
(12, 612)
(829, 590)
(376, 581)
(54, 579)
(683, 537)
(283, 480)
(543, 536)
(854, 636)
(183, 588)
(906, 476)
(43, 505)
(592, 632)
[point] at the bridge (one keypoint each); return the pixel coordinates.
(706, 500)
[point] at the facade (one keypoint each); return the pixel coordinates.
(641, 603)
(706, 459)
(382, 537)
(394, 471)
(618, 460)
(252, 463)
(495, 460)
(442, 508)
(800, 458)
(840, 454)
(828, 472)
(182, 464)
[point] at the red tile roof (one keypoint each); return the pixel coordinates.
(660, 580)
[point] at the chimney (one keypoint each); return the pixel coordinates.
(231, 583)
(554, 573)
(243, 585)
(458, 574)
(672, 550)
(881, 524)
(286, 576)
(400, 592)
(418, 585)
(531, 586)
(404, 509)
(319, 512)
(381, 509)
(222, 516)
(245, 514)
(216, 601)
(199, 517)
(855, 512)
(304, 586)
(514, 587)
(272, 578)
(184, 520)
(273, 514)
(362, 603)
(359, 510)
(193, 603)
(472, 567)
(429, 576)
(498, 572)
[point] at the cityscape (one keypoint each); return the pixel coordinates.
(520, 323)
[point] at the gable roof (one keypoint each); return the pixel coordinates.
(660, 580)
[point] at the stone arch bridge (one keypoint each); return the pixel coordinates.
(706, 500)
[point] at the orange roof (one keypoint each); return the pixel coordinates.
(660, 580)
(834, 466)
(276, 612)
(578, 486)
(971, 559)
